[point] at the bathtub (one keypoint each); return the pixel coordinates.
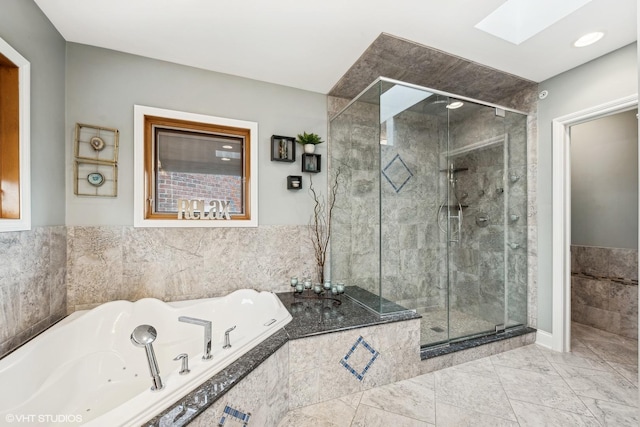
(86, 371)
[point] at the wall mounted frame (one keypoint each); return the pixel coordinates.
(96, 143)
(91, 178)
(294, 182)
(311, 163)
(283, 149)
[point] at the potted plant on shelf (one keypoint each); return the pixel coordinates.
(309, 141)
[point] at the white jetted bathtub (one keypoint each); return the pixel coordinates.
(86, 371)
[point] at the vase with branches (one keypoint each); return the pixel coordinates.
(320, 223)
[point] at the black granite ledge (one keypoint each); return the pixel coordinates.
(430, 352)
(314, 316)
(311, 316)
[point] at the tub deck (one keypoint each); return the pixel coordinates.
(311, 317)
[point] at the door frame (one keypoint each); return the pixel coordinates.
(561, 218)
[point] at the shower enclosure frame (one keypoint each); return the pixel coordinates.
(504, 141)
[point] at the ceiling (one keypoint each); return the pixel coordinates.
(311, 44)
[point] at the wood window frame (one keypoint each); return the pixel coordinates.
(15, 183)
(145, 119)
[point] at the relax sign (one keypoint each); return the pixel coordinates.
(195, 209)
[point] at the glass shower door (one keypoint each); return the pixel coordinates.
(474, 180)
(432, 212)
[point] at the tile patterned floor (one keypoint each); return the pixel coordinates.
(594, 385)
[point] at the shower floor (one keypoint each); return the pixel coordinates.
(433, 326)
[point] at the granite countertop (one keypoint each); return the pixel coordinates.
(311, 316)
(314, 316)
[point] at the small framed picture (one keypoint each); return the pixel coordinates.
(96, 143)
(311, 163)
(283, 149)
(95, 179)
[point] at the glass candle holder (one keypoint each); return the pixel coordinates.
(317, 288)
(299, 288)
(307, 283)
(334, 289)
(340, 287)
(294, 281)
(327, 285)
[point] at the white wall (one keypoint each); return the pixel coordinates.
(607, 78)
(103, 85)
(604, 182)
(27, 30)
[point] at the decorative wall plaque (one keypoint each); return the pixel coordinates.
(96, 143)
(95, 179)
(95, 169)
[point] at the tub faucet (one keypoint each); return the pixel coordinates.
(144, 336)
(207, 333)
(227, 341)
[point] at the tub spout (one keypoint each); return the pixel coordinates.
(207, 333)
(144, 336)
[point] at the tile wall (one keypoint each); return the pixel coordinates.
(604, 289)
(263, 395)
(311, 370)
(32, 283)
(123, 262)
(316, 371)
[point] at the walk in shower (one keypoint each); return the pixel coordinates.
(431, 212)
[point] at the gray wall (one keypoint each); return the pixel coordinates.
(604, 182)
(28, 31)
(103, 86)
(604, 79)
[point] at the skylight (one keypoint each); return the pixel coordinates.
(518, 20)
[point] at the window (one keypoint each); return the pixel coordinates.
(194, 170)
(15, 212)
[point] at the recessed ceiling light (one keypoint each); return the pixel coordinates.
(588, 39)
(227, 147)
(455, 104)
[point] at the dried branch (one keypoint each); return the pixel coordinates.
(320, 223)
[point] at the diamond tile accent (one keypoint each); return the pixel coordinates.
(359, 374)
(229, 412)
(397, 173)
